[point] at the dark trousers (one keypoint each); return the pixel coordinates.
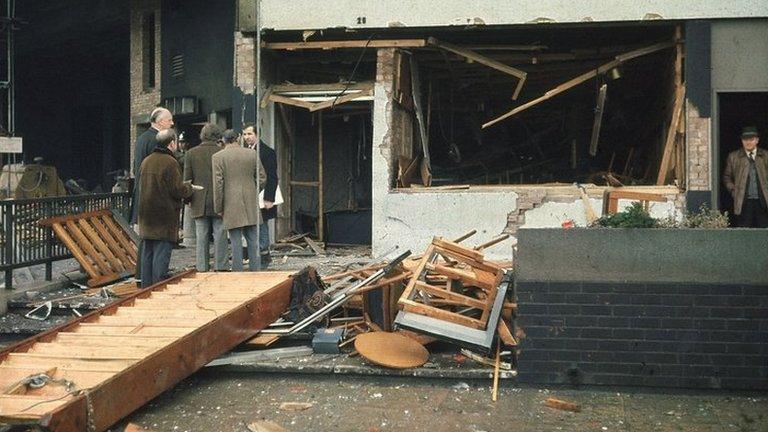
(753, 215)
(155, 258)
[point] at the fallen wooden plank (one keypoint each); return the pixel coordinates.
(134, 368)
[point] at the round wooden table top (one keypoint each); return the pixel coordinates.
(391, 350)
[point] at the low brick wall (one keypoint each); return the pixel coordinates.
(670, 335)
(646, 333)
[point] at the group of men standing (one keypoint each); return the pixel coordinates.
(221, 181)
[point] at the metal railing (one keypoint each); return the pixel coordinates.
(23, 242)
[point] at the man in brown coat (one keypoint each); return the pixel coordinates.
(159, 203)
(236, 172)
(198, 169)
(746, 178)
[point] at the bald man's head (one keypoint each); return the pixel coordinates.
(167, 138)
(161, 119)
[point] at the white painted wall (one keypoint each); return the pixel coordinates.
(319, 14)
(410, 220)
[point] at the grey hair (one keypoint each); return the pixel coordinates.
(211, 132)
(157, 113)
(165, 137)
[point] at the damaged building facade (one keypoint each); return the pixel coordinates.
(394, 123)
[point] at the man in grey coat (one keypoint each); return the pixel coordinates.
(198, 169)
(236, 171)
(746, 178)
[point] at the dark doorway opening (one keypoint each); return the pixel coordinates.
(737, 110)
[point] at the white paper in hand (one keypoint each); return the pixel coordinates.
(196, 187)
(278, 197)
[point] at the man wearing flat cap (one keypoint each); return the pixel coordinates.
(746, 178)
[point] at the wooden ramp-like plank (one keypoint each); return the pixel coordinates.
(123, 355)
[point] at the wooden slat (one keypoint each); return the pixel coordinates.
(101, 246)
(466, 277)
(349, 97)
(61, 220)
(143, 331)
(291, 101)
(457, 248)
(113, 243)
(479, 58)
(412, 306)
(99, 261)
(90, 365)
(122, 237)
(73, 247)
(450, 295)
(418, 271)
(328, 87)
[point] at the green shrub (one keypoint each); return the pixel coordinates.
(633, 217)
(636, 217)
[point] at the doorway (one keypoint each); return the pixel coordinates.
(736, 110)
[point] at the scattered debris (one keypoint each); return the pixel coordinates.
(40, 313)
(261, 355)
(133, 427)
(562, 405)
(296, 406)
(265, 426)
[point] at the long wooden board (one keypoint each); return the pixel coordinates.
(114, 360)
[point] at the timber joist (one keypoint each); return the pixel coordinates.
(99, 243)
(104, 365)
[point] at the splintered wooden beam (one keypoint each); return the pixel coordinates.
(669, 143)
(349, 97)
(599, 110)
(336, 44)
(321, 87)
(487, 61)
(582, 79)
(479, 58)
(291, 101)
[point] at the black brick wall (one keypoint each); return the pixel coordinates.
(668, 335)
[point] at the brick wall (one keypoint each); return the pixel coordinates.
(245, 63)
(143, 98)
(698, 149)
(666, 335)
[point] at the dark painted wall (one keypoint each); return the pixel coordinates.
(660, 335)
(72, 86)
(203, 32)
(599, 306)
